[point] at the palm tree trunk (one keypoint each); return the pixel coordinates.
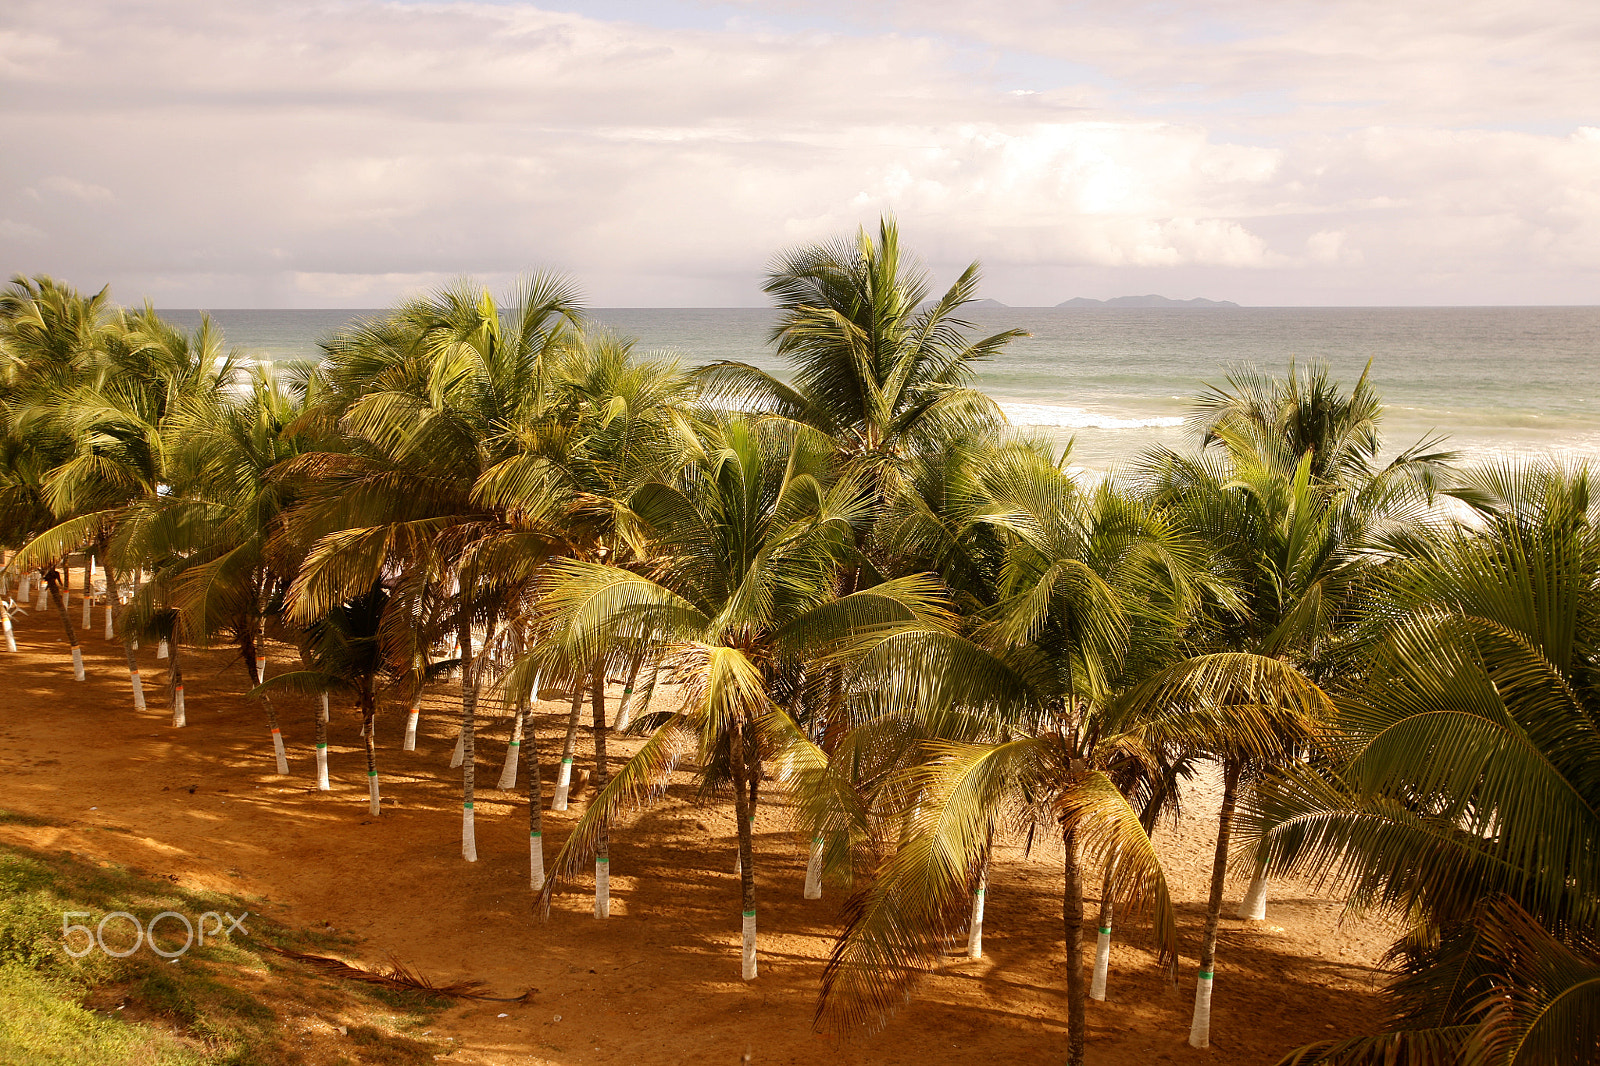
(530, 746)
(111, 603)
(980, 896)
(1072, 919)
(625, 709)
(1254, 905)
(747, 879)
(53, 581)
(11, 636)
(602, 840)
(88, 590)
(564, 774)
(410, 743)
(813, 889)
(1200, 1026)
(975, 929)
(175, 675)
(753, 775)
(322, 746)
(369, 714)
(44, 593)
(469, 754)
(1102, 948)
(508, 773)
(255, 666)
(127, 642)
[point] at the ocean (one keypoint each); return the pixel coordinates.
(1496, 381)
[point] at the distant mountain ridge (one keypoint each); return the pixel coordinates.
(1144, 301)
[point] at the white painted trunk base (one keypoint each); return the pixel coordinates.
(563, 781)
(624, 712)
(178, 716)
(277, 751)
(77, 663)
(138, 690)
(975, 932)
(460, 754)
(602, 888)
(1200, 1027)
(322, 768)
(1254, 905)
(469, 834)
(1102, 963)
(748, 969)
(536, 860)
(43, 597)
(372, 791)
(814, 871)
(411, 730)
(161, 650)
(11, 638)
(508, 774)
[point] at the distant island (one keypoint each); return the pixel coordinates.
(1144, 301)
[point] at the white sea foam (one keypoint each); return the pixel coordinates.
(1040, 414)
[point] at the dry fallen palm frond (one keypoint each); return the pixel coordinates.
(399, 976)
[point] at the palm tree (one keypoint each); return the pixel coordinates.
(118, 418)
(343, 651)
(742, 588)
(1462, 793)
(1306, 414)
(50, 337)
(1036, 719)
(1295, 513)
(431, 399)
(881, 373)
(214, 528)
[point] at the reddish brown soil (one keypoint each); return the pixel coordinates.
(657, 983)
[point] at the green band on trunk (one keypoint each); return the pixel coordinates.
(516, 743)
(1105, 930)
(980, 891)
(603, 858)
(627, 692)
(567, 760)
(372, 773)
(1206, 975)
(535, 833)
(467, 805)
(321, 746)
(749, 914)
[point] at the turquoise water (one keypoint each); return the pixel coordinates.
(1496, 381)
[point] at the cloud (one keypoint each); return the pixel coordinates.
(329, 153)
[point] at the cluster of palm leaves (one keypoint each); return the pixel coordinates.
(859, 590)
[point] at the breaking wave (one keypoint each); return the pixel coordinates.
(1039, 414)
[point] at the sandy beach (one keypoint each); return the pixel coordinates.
(657, 983)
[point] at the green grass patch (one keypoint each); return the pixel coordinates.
(228, 1002)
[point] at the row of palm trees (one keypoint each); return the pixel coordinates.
(871, 597)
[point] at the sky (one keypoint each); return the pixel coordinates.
(218, 153)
